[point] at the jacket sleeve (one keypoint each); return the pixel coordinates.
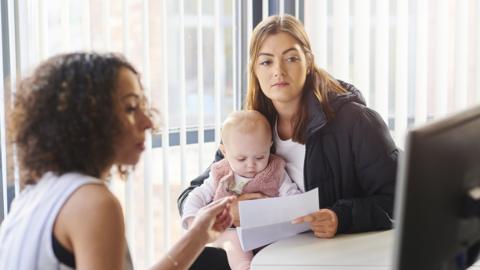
(375, 162)
(196, 183)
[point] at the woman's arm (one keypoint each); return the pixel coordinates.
(90, 224)
(375, 162)
(207, 226)
(376, 158)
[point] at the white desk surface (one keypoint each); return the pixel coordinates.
(362, 251)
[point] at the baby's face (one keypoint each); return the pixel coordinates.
(247, 153)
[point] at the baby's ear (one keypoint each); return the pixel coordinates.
(222, 148)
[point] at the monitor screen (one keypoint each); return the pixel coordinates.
(439, 167)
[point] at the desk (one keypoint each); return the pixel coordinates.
(361, 251)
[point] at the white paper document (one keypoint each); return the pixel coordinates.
(265, 221)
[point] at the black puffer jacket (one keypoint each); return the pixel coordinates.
(351, 159)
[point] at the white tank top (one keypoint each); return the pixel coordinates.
(26, 232)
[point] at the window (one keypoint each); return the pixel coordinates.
(413, 61)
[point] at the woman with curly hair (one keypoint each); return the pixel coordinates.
(77, 116)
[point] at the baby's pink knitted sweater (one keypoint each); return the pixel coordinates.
(267, 181)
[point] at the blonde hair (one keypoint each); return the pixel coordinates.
(318, 80)
(245, 121)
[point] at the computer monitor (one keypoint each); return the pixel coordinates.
(439, 167)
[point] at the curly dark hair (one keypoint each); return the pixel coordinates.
(64, 119)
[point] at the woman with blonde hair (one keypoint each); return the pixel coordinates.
(323, 129)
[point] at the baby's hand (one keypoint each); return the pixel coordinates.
(243, 197)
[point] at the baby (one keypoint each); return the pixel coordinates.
(248, 167)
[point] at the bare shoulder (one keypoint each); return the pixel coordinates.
(91, 219)
(93, 203)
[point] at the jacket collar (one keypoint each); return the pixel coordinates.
(317, 118)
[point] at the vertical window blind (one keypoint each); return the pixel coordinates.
(414, 61)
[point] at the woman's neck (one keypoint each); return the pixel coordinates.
(287, 112)
(287, 116)
(284, 129)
